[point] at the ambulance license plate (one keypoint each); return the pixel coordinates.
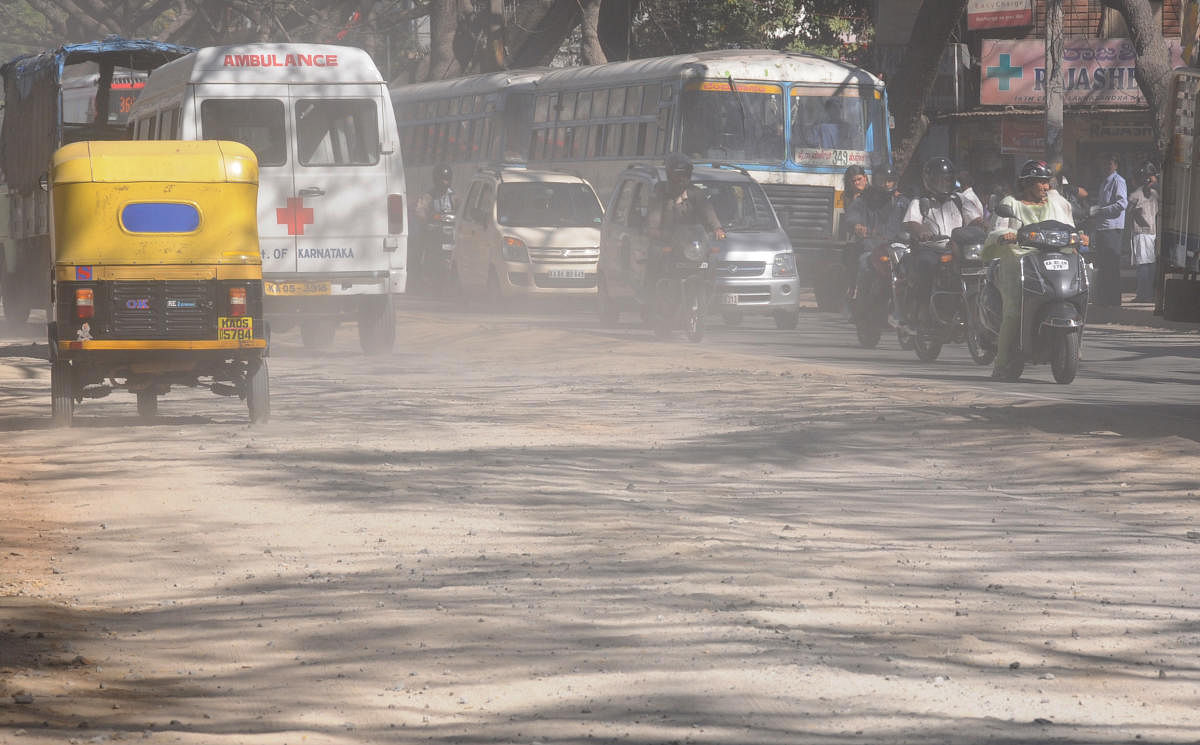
(239, 328)
(297, 288)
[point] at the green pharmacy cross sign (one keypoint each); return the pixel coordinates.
(1005, 72)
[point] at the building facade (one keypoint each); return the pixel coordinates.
(998, 120)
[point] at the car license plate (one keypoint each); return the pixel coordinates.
(297, 288)
(239, 328)
(730, 299)
(567, 274)
(1056, 265)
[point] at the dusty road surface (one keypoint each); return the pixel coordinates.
(512, 531)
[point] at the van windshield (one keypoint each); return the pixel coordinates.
(256, 123)
(740, 206)
(547, 205)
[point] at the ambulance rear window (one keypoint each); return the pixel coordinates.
(256, 123)
(160, 217)
(337, 132)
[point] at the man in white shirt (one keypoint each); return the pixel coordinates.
(938, 212)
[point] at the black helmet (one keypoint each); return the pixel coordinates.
(886, 175)
(678, 165)
(442, 175)
(938, 176)
(1148, 169)
(1036, 170)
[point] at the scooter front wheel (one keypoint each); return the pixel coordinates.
(926, 348)
(1064, 357)
(981, 351)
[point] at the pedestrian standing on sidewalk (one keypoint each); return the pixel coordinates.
(1108, 216)
(1143, 211)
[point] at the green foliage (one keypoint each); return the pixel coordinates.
(835, 28)
(22, 30)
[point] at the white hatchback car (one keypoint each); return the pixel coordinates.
(526, 232)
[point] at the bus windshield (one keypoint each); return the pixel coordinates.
(741, 206)
(714, 127)
(547, 204)
(830, 127)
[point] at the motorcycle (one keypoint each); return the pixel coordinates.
(684, 286)
(1054, 297)
(872, 301)
(944, 318)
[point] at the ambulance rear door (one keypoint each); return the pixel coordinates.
(341, 181)
(257, 115)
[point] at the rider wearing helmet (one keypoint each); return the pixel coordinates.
(939, 211)
(676, 202)
(1034, 202)
(439, 200)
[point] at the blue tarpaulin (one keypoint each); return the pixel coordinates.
(134, 54)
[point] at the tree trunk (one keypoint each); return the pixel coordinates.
(539, 30)
(593, 52)
(1054, 84)
(443, 25)
(616, 27)
(910, 88)
(1153, 70)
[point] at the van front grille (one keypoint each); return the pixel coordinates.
(806, 212)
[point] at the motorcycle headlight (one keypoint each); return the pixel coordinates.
(785, 265)
(972, 252)
(1048, 238)
(695, 251)
(514, 250)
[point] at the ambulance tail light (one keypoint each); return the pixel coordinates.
(395, 214)
(85, 302)
(237, 301)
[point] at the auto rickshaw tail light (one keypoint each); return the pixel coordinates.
(395, 214)
(85, 302)
(237, 301)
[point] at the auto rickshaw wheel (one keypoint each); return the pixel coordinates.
(318, 333)
(147, 404)
(62, 393)
(258, 392)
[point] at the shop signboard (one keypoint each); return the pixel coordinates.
(1022, 136)
(1096, 72)
(983, 14)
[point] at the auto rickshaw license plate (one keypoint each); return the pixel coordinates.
(240, 328)
(297, 288)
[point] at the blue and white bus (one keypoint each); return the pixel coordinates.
(794, 121)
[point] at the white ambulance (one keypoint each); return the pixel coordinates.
(331, 181)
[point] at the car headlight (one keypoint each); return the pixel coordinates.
(514, 250)
(785, 265)
(695, 251)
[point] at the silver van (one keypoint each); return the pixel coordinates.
(755, 270)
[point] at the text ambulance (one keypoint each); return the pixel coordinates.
(331, 181)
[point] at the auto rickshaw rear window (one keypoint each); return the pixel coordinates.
(160, 217)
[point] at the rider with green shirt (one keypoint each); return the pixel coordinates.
(1034, 202)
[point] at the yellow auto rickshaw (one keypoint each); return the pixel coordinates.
(157, 278)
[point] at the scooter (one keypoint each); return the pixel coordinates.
(1054, 297)
(685, 283)
(873, 298)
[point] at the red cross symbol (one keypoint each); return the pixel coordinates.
(295, 216)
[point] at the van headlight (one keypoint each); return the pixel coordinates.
(695, 251)
(785, 265)
(514, 250)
